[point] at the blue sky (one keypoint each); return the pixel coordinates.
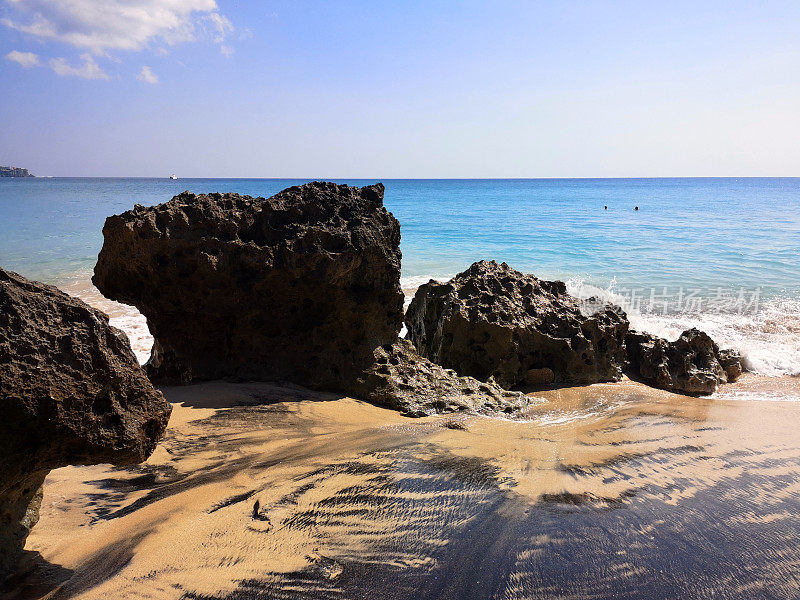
(400, 89)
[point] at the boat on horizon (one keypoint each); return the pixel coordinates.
(173, 176)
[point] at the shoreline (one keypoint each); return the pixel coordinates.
(268, 490)
(769, 340)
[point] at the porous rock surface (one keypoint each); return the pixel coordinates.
(71, 392)
(492, 321)
(302, 286)
(693, 364)
(402, 380)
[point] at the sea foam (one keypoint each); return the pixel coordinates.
(767, 337)
(122, 316)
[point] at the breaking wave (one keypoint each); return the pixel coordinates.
(767, 335)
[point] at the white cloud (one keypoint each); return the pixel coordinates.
(100, 26)
(220, 27)
(88, 70)
(147, 75)
(26, 59)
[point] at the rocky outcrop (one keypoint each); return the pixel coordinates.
(72, 393)
(305, 287)
(692, 365)
(14, 172)
(402, 380)
(302, 286)
(493, 321)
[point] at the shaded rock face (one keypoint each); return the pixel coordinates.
(402, 380)
(693, 364)
(302, 286)
(493, 321)
(71, 392)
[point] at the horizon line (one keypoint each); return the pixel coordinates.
(327, 178)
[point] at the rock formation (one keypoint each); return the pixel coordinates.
(493, 321)
(302, 286)
(72, 393)
(402, 380)
(305, 287)
(693, 364)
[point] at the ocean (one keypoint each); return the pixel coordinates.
(722, 254)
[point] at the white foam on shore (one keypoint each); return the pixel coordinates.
(121, 316)
(756, 395)
(411, 284)
(768, 338)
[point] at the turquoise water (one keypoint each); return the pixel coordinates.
(701, 233)
(703, 237)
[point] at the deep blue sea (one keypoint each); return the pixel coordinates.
(720, 253)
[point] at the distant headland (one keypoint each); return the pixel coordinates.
(14, 172)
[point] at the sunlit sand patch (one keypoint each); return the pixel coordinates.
(260, 490)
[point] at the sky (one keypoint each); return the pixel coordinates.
(400, 89)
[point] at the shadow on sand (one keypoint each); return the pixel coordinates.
(229, 394)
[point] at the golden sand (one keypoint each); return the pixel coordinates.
(266, 491)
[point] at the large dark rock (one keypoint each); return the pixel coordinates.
(493, 321)
(693, 364)
(402, 380)
(302, 286)
(71, 393)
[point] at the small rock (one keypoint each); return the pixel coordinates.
(402, 380)
(493, 321)
(692, 365)
(539, 377)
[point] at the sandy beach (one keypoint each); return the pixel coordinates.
(270, 490)
(399, 301)
(262, 491)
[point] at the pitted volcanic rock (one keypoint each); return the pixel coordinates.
(493, 321)
(72, 393)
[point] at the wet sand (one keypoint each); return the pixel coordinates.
(606, 491)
